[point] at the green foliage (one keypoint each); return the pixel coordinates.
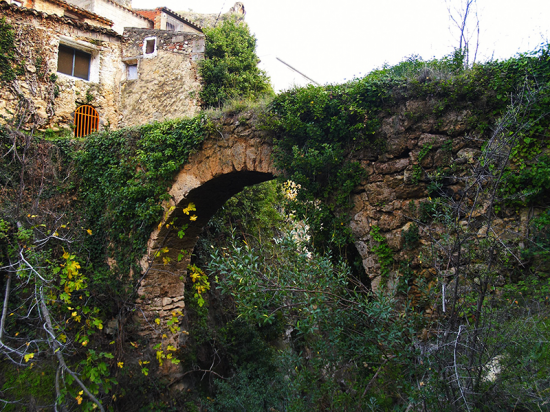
(424, 150)
(22, 382)
(343, 348)
(316, 129)
(417, 174)
(414, 67)
(263, 201)
(230, 68)
(411, 236)
(252, 390)
(433, 210)
(382, 251)
(333, 327)
(125, 175)
(7, 51)
(528, 186)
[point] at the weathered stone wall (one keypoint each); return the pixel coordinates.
(235, 157)
(210, 20)
(168, 84)
(178, 25)
(419, 147)
(53, 102)
(386, 198)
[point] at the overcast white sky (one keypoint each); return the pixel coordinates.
(331, 41)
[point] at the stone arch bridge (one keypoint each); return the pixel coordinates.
(238, 155)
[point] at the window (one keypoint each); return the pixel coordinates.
(86, 121)
(131, 72)
(150, 46)
(73, 62)
(170, 26)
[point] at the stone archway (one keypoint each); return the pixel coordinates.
(237, 157)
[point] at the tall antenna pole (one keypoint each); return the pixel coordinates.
(300, 73)
(219, 14)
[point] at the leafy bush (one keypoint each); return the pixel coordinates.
(230, 68)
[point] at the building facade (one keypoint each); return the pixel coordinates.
(94, 64)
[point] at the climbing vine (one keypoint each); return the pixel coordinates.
(125, 177)
(7, 51)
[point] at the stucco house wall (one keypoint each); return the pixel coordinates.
(120, 15)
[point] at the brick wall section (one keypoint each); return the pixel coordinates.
(153, 15)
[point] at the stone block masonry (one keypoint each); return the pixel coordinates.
(167, 84)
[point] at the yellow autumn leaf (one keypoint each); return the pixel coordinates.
(79, 399)
(120, 364)
(193, 218)
(28, 356)
(89, 231)
(190, 208)
(157, 321)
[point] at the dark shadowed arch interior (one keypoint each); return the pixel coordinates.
(208, 198)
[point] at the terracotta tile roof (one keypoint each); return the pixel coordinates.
(151, 14)
(53, 17)
(81, 11)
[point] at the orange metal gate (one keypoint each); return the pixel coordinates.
(86, 120)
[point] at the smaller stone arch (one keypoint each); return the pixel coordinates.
(223, 166)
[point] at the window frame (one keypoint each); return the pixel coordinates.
(144, 48)
(79, 58)
(85, 47)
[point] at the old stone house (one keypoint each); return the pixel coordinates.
(85, 65)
